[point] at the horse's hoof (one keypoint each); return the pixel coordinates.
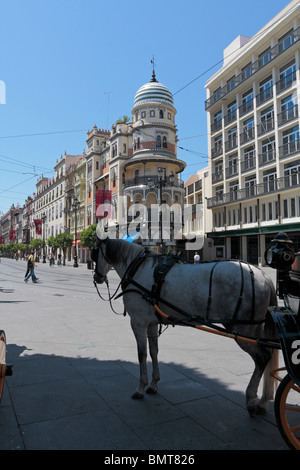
(151, 391)
(252, 410)
(261, 411)
(137, 396)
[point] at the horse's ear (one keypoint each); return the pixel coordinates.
(101, 233)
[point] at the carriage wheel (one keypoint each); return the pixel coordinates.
(287, 412)
(2, 360)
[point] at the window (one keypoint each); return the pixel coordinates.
(233, 190)
(289, 107)
(247, 71)
(285, 209)
(293, 207)
(268, 150)
(249, 158)
(231, 110)
(230, 84)
(158, 141)
(161, 114)
(292, 174)
(152, 113)
(232, 165)
(287, 76)
(250, 186)
(264, 57)
(164, 142)
(270, 180)
(143, 114)
(290, 140)
(286, 40)
(247, 101)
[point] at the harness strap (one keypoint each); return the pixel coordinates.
(209, 293)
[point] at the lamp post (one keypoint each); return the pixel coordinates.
(75, 206)
(44, 217)
(161, 183)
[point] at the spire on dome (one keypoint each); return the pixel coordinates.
(153, 79)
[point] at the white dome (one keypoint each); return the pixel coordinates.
(153, 91)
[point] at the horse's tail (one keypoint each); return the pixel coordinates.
(269, 382)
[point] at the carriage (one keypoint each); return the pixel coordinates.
(5, 369)
(162, 289)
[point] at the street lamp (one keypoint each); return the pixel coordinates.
(161, 183)
(44, 218)
(75, 206)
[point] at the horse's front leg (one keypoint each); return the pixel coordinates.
(153, 347)
(140, 333)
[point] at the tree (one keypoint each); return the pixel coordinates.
(36, 245)
(123, 120)
(52, 243)
(63, 241)
(88, 237)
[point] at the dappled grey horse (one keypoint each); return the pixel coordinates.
(231, 293)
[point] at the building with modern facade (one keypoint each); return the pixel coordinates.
(198, 221)
(253, 140)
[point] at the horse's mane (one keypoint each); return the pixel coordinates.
(118, 251)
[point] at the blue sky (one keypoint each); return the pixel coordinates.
(59, 60)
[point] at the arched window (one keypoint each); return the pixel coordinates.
(158, 141)
(124, 148)
(161, 114)
(164, 142)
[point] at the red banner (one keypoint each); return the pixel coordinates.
(103, 203)
(12, 235)
(38, 226)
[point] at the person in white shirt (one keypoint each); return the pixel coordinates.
(196, 257)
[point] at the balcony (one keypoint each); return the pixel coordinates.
(282, 46)
(230, 117)
(247, 135)
(231, 143)
(266, 126)
(287, 115)
(264, 96)
(266, 157)
(248, 164)
(246, 107)
(286, 82)
(232, 170)
(217, 177)
(289, 149)
(143, 181)
(216, 151)
(216, 126)
(267, 187)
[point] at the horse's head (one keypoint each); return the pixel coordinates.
(98, 255)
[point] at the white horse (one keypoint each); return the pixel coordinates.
(231, 293)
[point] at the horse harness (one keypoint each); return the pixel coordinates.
(163, 265)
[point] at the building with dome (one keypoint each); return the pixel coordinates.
(136, 165)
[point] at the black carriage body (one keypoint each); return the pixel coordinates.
(289, 335)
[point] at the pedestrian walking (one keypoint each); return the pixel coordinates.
(196, 257)
(51, 259)
(30, 269)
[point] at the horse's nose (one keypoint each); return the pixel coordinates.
(99, 279)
